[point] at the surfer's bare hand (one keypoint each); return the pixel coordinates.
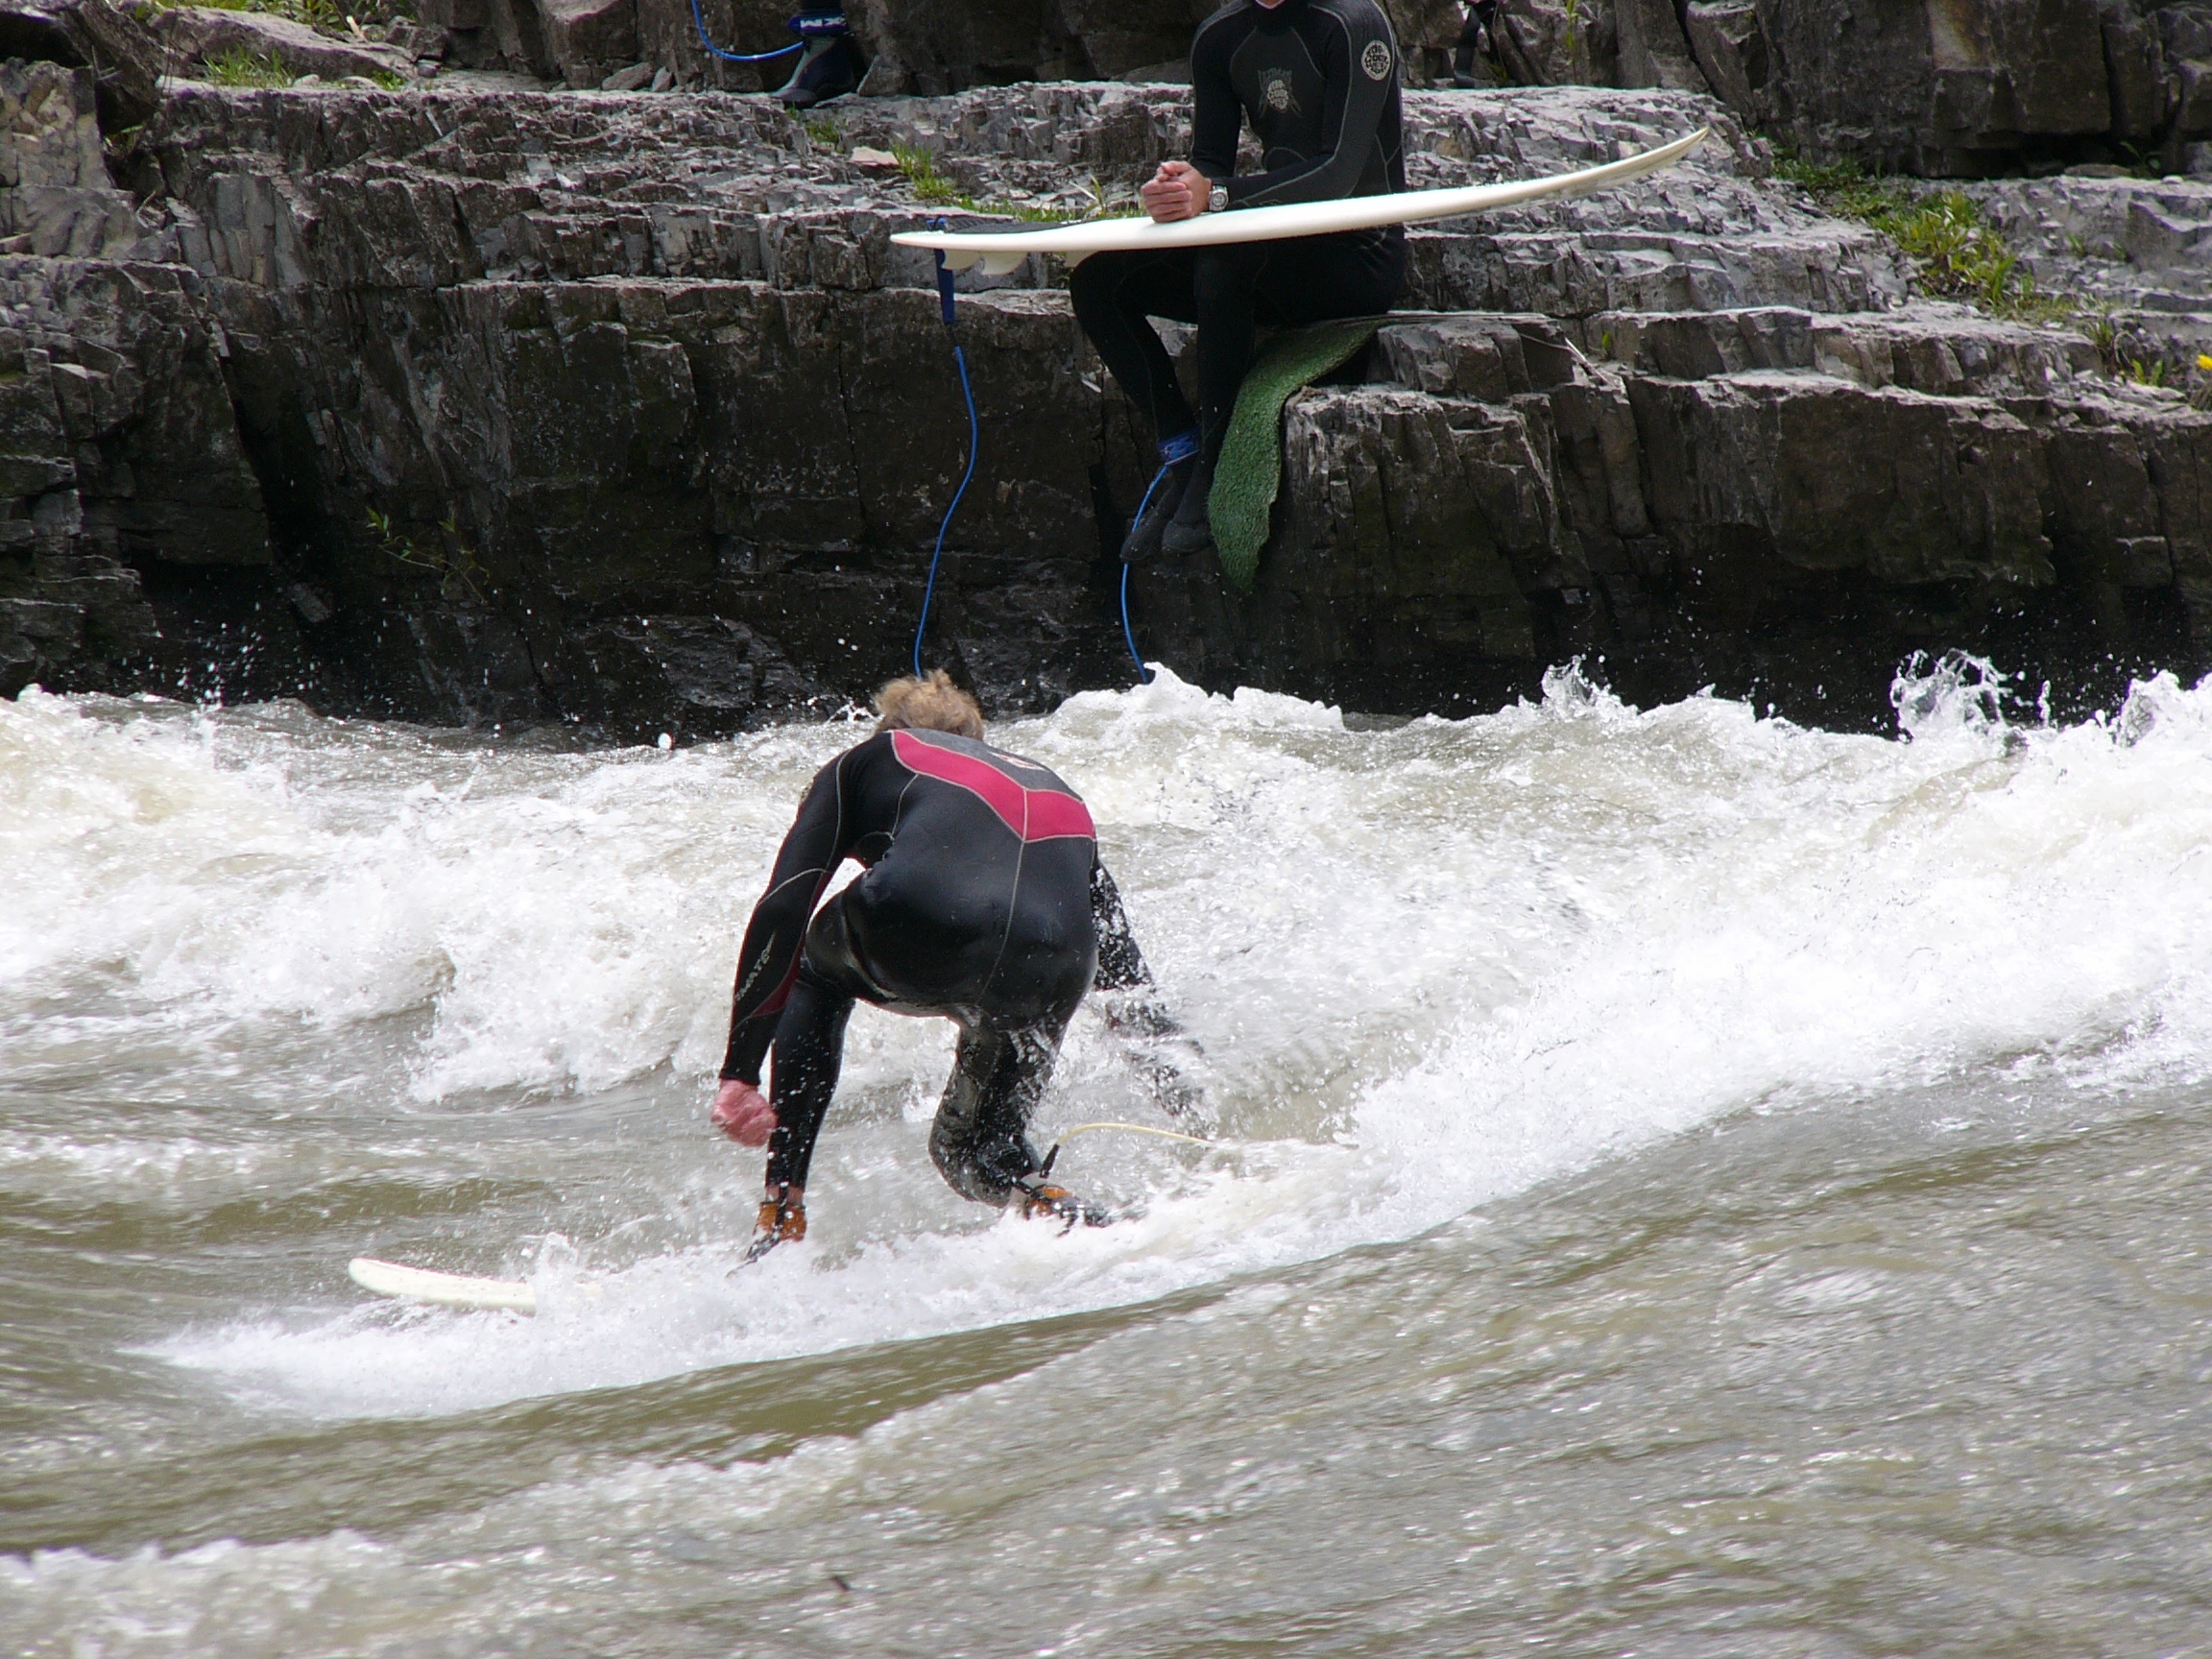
(1177, 191)
(742, 1113)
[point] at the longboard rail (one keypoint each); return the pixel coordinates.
(446, 1290)
(999, 251)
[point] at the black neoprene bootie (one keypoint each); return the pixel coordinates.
(1190, 531)
(830, 67)
(1143, 542)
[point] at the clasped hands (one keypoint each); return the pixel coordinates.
(1177, 191)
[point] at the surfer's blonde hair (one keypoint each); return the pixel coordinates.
(931, 704)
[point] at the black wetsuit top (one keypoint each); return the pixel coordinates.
(983, 899)
(1319, 81)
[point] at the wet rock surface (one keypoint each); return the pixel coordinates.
(2138, 249)
(620, 412)
(1964, 88)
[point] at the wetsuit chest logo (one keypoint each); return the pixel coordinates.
(1376, 60)
(1276, 89)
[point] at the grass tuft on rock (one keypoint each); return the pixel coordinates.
(240, 67)
(1955, 253)
(918, 167)
(329, 15)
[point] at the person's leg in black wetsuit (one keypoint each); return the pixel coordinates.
(1245, 286)
(809, 1050)
(980, 1139)
(809, 1054)
(1113, 294)
(1228, 292)
(1282, 284)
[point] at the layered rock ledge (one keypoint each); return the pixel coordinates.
(621, 412)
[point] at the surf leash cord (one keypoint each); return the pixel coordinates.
(1066, 1135)
(1173, 450)
(974, 443)
(946, 310)
(805, 26)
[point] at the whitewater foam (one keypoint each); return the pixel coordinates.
(1428, 966)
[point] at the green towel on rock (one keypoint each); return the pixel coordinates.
(1250, 470)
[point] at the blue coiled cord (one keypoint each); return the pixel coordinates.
(700, 18)
(1178, 448)
(974, 443)
(1129, 634)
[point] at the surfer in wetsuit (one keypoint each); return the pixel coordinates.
(1318, 81)
(984, 903)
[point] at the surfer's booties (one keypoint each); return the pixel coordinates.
(1190, 530)
(1040, 1199)
(1143, 542)
(783, 1220)
(830, 67)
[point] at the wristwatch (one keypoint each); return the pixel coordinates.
(1217, 199)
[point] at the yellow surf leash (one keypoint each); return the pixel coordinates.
(1066, 1134)
(1137, 1129)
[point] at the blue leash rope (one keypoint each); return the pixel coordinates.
(1128, 634)
(1145, 673)
(699, 17)
(1180, 447)
(974, 443)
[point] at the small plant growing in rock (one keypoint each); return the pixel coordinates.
(827, 131)
(240, 67)
(918, 168)
(1843, 188)
(460, 572)
(1109, 200)
(2144, 370)
(2102, 331)
(1955, 252)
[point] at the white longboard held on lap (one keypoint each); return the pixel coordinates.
(1002, 251)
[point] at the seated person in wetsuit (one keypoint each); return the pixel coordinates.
(984, 903)
(1318, 81)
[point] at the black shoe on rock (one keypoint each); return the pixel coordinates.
(831, 66)
(1190, 531)
(1143, 542)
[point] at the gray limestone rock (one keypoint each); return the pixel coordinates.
(124, 56)
(623, 411)
(191, 35)
(2138, 249)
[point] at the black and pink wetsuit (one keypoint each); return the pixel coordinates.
(983, 903)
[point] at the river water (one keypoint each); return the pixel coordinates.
(1685, 1183)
